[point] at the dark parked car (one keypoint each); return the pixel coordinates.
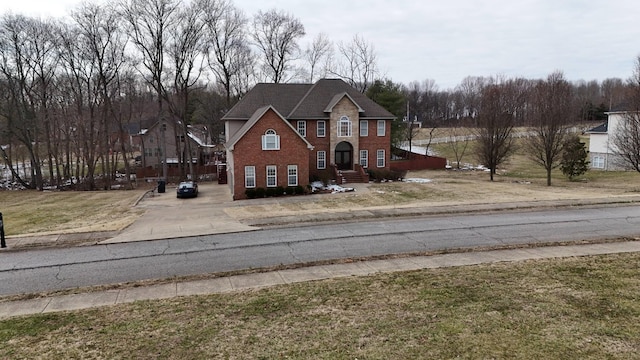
(187, 189)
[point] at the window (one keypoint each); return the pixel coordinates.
(344, 127)
(292, 175)
(322, 159)
(272, 177)
(364, 158)
(322, 127)
(364, 128)
(380, 158)
(381, 127)
(249, 176)
(302, 128)
(270, 140)
(598, 162)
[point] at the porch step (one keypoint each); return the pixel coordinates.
(350, 176)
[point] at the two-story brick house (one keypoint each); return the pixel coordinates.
(280, 134)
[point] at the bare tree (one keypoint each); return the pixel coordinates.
(550, 118)
(358, 65)
(185, 49)
(148, 22)
(104, 44)
(626, 137)
(276, 34)
(321, 49)
(228, 53)
(495, 126)
(27, 63)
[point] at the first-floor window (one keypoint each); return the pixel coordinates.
(249, 176)
(322, 159)
(598, 162)
(364, 158)
(292, 172)
(380, 158)
(271, 176)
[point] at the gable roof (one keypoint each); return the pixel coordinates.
(257, 115)
(304, 101)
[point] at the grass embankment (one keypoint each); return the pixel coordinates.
(574, 308)
(30, 211)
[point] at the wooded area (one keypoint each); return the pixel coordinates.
(74, 92)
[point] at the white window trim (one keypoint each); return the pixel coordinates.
(364, 131)
(380, 158)
(381, 128)
(364, 158)
(273, 177)
(292, 171)
(276, 140)
(321, 160)
(249, 175)
(302, 128)
(345, 120)
(598, 162)
(322, 133)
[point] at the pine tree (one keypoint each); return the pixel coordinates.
(574, 158)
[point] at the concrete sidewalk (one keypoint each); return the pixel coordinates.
(266, 279)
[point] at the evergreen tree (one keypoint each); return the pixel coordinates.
(574, 157)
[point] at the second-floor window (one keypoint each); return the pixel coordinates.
(344, 127)
(321, 128)
(302, 128)
(381, 128)
(364, 128)
(270, 140)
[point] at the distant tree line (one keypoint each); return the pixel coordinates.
(73, 89)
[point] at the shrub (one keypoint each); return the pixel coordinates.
(299, 190)
(250, 193)
(270, 192)
(279, 191)
(574, 158)
(260, 193)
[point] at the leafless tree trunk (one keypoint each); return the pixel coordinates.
(276, 34)
(495, 126)
(626, 138)
(550, 118)
(321, 49)
(228, 53)
(358, 65)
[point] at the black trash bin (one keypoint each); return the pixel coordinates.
(161, 186)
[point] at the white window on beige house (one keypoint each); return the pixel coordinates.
(344, 127)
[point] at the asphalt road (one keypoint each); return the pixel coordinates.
(62, 268)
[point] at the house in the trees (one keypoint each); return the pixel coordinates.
(281, 135)
(602, 150)
(164, 141)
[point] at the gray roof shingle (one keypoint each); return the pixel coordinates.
(303, 101)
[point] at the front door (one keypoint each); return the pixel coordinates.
(344, 156)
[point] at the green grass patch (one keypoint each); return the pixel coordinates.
(586, 308)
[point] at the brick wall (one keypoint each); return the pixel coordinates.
(248, 151)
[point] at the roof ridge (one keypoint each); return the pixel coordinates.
(304, 97)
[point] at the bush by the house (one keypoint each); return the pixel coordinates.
(385, 175)
(260, 192)
(250, 193)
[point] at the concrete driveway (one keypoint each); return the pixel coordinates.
(166, 216)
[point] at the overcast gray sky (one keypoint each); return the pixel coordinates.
(447, 40)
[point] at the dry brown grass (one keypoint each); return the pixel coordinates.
(573, 308)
